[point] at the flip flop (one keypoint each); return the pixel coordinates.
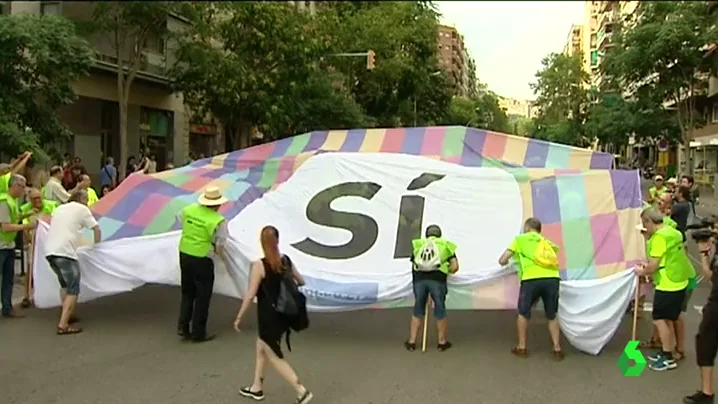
(443, 347)
(411, 347)
(520, 352)
(68, 330)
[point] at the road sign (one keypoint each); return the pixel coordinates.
(631, 353)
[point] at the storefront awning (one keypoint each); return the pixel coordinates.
(704, 141)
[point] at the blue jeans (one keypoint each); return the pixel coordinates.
(423, 288)
(7, 273)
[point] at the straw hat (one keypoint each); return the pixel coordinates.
(212, 196)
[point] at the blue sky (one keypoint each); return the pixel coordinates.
(508, 39)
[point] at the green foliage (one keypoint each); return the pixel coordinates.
(520, 125)
(259, 64)
(660, 57)
(482, 112)
(562, 99)
(40, 58)
(404, 36)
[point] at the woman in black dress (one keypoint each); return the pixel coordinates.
(264, 283)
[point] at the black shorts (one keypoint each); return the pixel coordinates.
(668, 305)
(546, 289)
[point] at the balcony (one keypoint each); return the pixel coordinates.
(607, 19)
(594, 58)
(152, 67)
(605, 6)
(604, 39)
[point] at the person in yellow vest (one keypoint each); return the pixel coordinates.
(656, 190)
(671, 270)
(7, 170)
(10, 219)
(86, 184)
(37, 206)
(204, 231)
(537, 261)
(433, 260)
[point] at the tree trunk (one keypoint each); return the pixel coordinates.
(123, 133)
(687, 147)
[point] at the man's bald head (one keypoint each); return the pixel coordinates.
(35, 197)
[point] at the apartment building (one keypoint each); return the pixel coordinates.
(454, 59)
(158, 121)
(517, 107)
(574, 41)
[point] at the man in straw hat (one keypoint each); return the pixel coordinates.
(203, 230)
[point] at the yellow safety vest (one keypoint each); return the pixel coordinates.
(675, 269)
(527, 245)
(47, 208)
(198, 226)
(9, 236)
(446, 249)
(91, 197)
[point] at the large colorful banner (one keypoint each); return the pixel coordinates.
(347, 216)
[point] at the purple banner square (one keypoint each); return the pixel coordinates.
(626, 188)
(281, 146)
(544, 194)
(127, 230)
(413, 140)
(354, 140)
(127, 206)
(471, 155)
(601, 161)
(230, 162)
(536, 153)
(316, 140)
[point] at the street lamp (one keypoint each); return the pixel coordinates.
(436, 73)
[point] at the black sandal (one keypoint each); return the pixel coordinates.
(411, 347)
(443, 347)
(68, 330)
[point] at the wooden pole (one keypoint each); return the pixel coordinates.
(426, 326)
(636, 297)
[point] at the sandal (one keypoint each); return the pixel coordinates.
(650, 344)
(679, 355)
(558, 355)
(68, 330)
(520, 352)
(411, 347)
(443, 347)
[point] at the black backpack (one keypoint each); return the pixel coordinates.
(290, 303)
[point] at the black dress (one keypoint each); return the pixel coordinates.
(270, 323)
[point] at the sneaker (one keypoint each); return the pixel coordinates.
(256, 395)
(698, 398)
(662, 364)
(305, 398)
(655, 357)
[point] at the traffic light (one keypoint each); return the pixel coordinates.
(370, 60)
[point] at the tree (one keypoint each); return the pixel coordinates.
(562, 99)
(483, 112)
(252, 64)
(128, 26)
(520, 125)
(40, 58)
(663, 54)
(407, 86)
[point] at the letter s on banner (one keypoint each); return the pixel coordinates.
(363, 228)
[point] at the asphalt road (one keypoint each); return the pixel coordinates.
(129, 353)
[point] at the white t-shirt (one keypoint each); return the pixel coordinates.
(68, 222)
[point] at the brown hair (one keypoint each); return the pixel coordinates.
(269, 238)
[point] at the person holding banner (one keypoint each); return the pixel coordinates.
(671, 269)
(203, 230)
(10, 219)
(707, 337)
(433, 259)
(538, 270)
(69, 220)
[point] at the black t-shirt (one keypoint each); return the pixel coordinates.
(680, 213)
(713, 297)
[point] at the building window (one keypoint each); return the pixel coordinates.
(50, 7)
(714, 114)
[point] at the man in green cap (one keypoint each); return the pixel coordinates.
(540, 279)
(10, 219)
(433, 259)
